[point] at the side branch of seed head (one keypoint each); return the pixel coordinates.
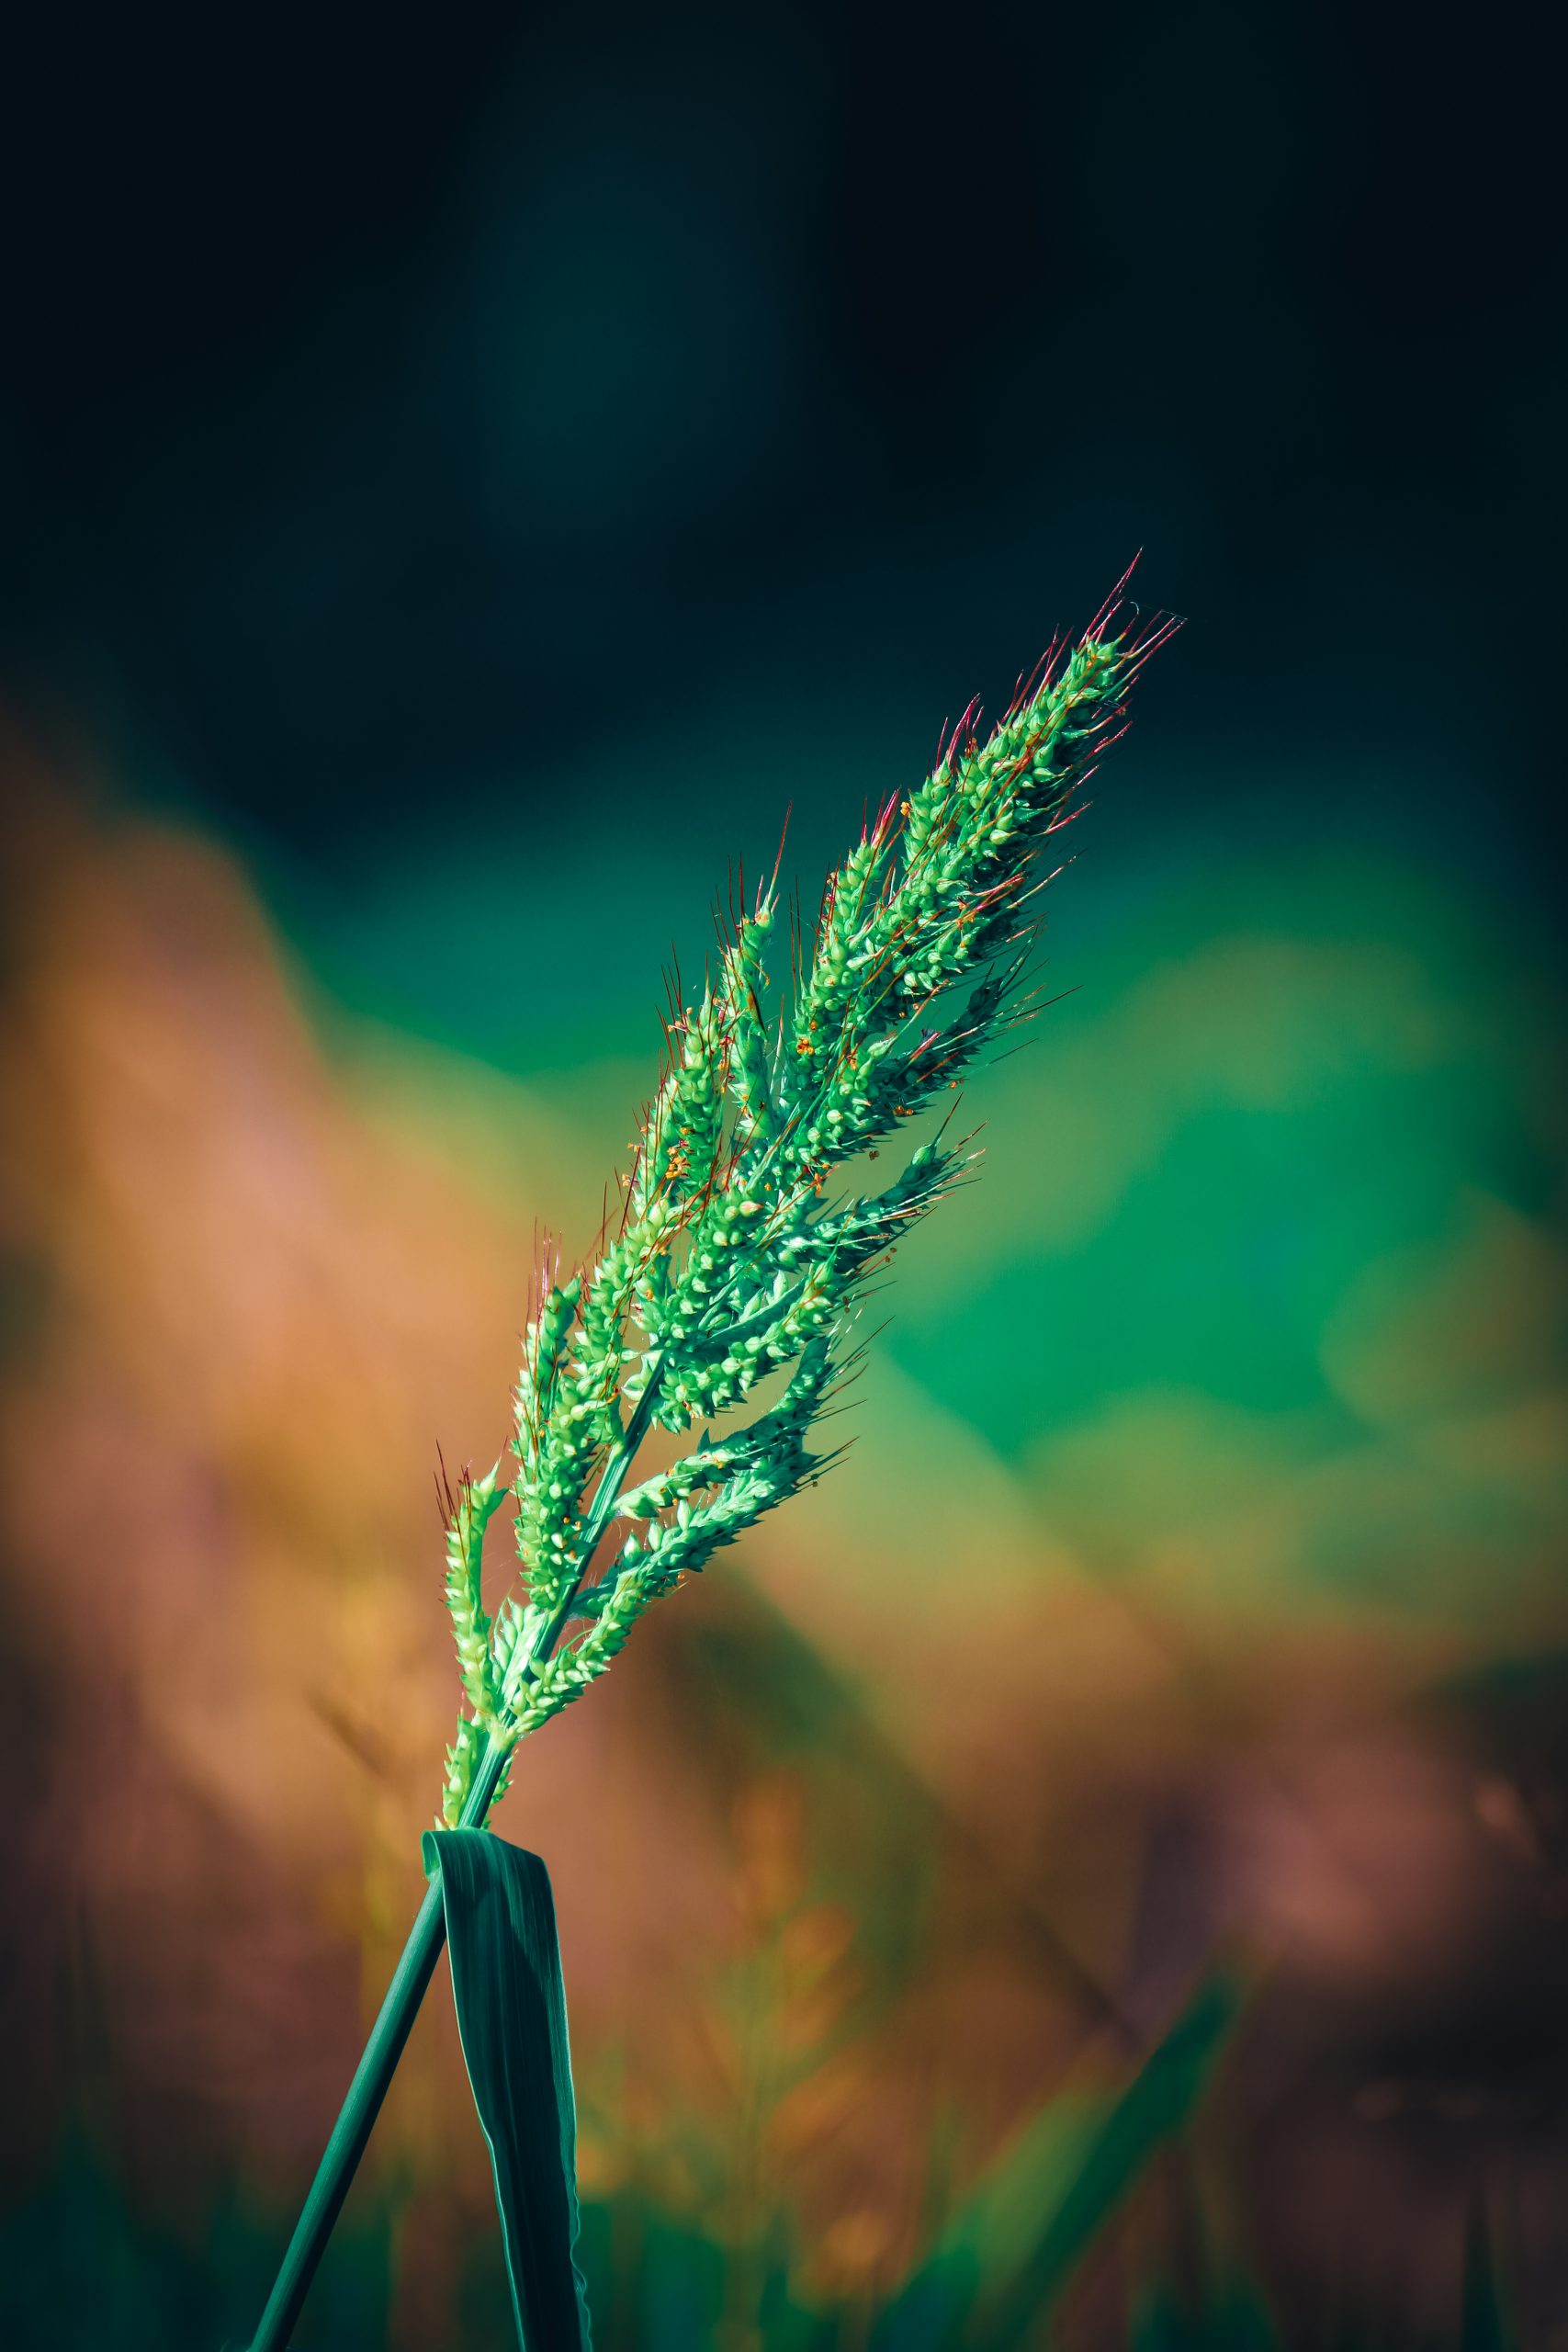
(730, 1262)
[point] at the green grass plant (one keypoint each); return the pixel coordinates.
(733, 1272)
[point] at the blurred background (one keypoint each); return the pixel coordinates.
(464, 478)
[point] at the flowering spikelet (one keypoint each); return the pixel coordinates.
(730, 1262)
(467, 1513)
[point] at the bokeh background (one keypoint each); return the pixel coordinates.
(463, 479)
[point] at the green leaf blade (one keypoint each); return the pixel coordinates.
(510, 2004)
(999, 2268)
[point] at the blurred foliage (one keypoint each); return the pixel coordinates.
(81, 2267)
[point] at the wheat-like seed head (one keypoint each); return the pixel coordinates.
(730, 1262)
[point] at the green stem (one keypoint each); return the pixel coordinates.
(606, 1496)
(412, 1976)
(368, 2089)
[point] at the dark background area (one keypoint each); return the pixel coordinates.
(387, 403)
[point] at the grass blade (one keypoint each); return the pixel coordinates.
(1155, 2104)
(994, 2274)
(506, 1981)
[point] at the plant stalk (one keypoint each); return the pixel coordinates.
(412, 1976)
(371, 2077)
